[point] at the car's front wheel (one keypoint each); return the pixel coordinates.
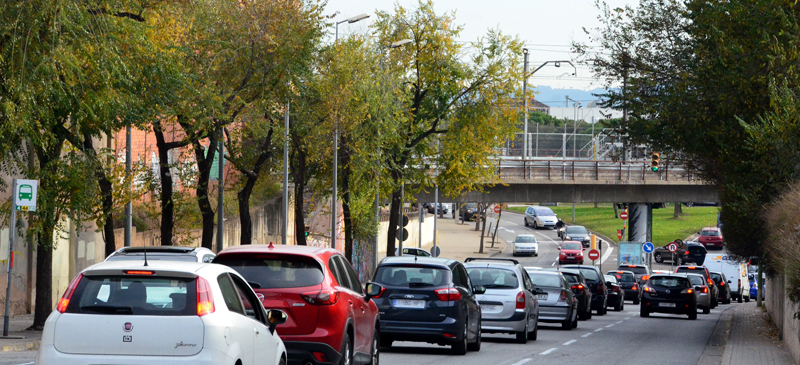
(376, 347)
(658, 257)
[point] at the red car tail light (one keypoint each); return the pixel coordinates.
(687, 291)
(599, 287)
(448, 294)
(521, 300)
(710, 282)
(740, 284)
(721, 283)
(578, 287)
(205, 300)
(634, 287)
(322, 297)
(139, 272)
(646, 277)
(64, 302)
(563, 296)
(320, 356)
(705, 289)
(648, 289)
(686, 253)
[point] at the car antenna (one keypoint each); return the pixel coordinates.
(145, 253)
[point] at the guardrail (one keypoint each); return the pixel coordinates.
(578, 170)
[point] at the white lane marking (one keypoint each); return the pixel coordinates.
(607, 254)
(548, 351)
(553, 264)
(570, 342)
(598, 330)
(587, 335)
(506, 229)
(521, 361)
(618, 322)
(611, 325)
(27, 363)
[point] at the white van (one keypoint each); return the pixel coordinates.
(735, 271)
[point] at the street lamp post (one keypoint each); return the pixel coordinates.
(336, 144)
(525, 91)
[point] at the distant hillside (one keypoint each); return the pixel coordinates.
(555, 97)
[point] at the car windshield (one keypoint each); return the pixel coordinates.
(576, 230)
(572, 278)
(639, 270)
(716, 277)
(571, 246)
(696, 279)
(492, 278)
(610, 278)
(548, 280)
(670, 281)
(709, 233)
(412, 276)
(275, 271)
(547, 212)
(525, 239)
(153, 256)
(589, 274)
(134, 295)
(624, 277)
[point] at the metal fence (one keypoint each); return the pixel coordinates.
(589, 170)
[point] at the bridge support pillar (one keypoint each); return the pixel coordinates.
(640, 222)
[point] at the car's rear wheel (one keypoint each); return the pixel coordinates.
(567, 324)
(727, 300)
(575, 320)
(589, 311)
(658, 257)
(475, 346)
(746, 300)
(706, 310)
(619, 305)
(460, 348)
(347, 352)
(525, 220)
(533, 335)
(643, 312)
(522, 337)
(583, 315)
(739, 298)
(693, 314)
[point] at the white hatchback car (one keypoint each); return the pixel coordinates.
(168, 312)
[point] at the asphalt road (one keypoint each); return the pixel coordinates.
(17, 358)
(615, 338)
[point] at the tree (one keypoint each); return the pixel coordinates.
(460, 102)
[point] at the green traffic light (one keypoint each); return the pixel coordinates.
(655, 168)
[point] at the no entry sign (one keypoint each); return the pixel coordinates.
(619, 234)
(594, 255)
(497, 209)
(623, 215)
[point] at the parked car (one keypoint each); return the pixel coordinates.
(411, 251)
(594, 278)
(581, 291)
(642, 272)
(669, 293)
(577, 233)
(702, 270)
(688, 252)
(557, 304)
(468, 211)
(525, 244)
(428, 299)
(168, 312)
(724, 286)
(509, 304)
(570, 252)
(616, 295)
(432, 208)
(330, 317)
(754, 287)
(711, 237)
(702, 292)
(169, 253)
(540, 217)
(627, 279)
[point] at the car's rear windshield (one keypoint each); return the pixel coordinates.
(709, 233)
(412, 276)
(553, 281)
(636, 269)
(154, 257)
(525, 239)
(716, 277)
(571, 246)
(697, 280)
(623, 277)
(493, 278)
(275, 271)
(576, 230)
(134, 295)
(572, 278)
(695, 270)
(670, 281)
(610, 278)
(590, 274)
(544, 212)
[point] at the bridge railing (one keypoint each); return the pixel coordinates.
(581, 170)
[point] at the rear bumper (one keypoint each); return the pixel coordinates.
(48, 355)
(554, 314)
(614, 299)
(303, 353)
(631, 294)
(597, 301)
(516, 323)
(681, 306)
(704, 301)
(432, 332)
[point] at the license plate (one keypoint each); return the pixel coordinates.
(666, 305)
(491, 308)
(541, 296)
(409, 303)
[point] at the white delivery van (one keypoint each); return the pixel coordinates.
(735, 272)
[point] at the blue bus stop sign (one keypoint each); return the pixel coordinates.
(648, 247)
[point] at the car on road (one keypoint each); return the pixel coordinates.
(702, 292)
(331, 319)
(724, 286)
(509, 304)
(594, 278)
(627, 279)
(468, 212)
(577, 233)
(557, 303)
(525, 244)
(540, 217)
(668, 293)
(411, 251)
(688, 252)
(752, 279)
(702, 270)
(616, 295)
(642, 272)
(428, 299)
(122, 312)
(711, 237)
(157, 253)
(735, 271)
(432, 208)
(581, 291)
(570, 252)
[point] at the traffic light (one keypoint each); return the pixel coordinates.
(307, 228)
(654, 162)
(402, 232)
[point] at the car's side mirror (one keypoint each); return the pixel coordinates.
(584, 249)
(559, 248)
(479, 289)
(275, 317)
(374, 290)
(254, 285)
(539, 291)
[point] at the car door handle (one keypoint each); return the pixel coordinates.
(350, 301)
(363, 309)
(257, 331)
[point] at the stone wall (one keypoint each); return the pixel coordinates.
(783, 312)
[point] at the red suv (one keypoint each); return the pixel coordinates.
(331, 320)
(711, 237)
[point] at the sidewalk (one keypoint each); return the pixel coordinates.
(16, 328)
(458, 241)
(752, 339)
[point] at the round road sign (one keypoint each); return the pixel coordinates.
(623, 215)
(619, 234)
(672, 247)
(594, 255)
(648, 247)
(497, 209)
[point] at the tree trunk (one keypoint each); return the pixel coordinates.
(167, 203)
(678, 210)
(496, 226)
(299, 177)
(394, 210)
(106, 195)
(244, 210)
(344, 162)
(616, 211)
(203, 175)
(44, 275)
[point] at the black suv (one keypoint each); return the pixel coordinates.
(581, 290)
(428, 299)
(689, 251)
(627, 280)
(642, 272)
(702, 270)
(672, 293)
(597, 284)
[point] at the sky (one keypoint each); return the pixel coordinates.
(548, 28)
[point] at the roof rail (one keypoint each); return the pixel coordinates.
(469, 259)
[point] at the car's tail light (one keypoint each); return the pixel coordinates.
(614, 289)
(322, 297)
(205, 300)
(705, 289)
(448, 294)
(710, 282)
(686, 253)
(521, 300)
(64, 302)
(646, 277)
(634, 287)
(721, 283)
(740, 284)
(687, 291)
(648, 289)
(578, 287)
(139, 272)
(692, 267)
(563, 296)
(320, 356)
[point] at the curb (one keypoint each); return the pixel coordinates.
(716, 349)
(27, 346)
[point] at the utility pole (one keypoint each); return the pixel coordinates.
(286, 175)
(221, 191)
(128, 169)
(525, 103)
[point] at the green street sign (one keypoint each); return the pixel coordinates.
(25, 192)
